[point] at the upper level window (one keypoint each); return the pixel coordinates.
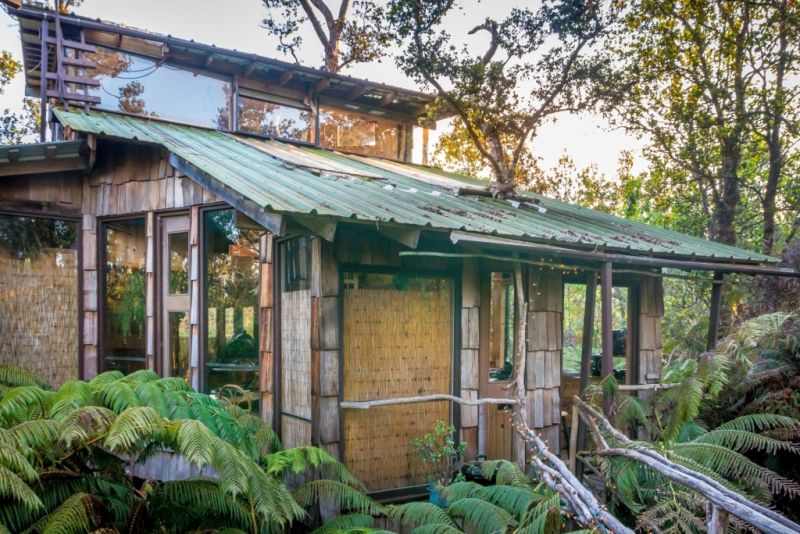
(358, 132)
(275, 120)
(134, 84)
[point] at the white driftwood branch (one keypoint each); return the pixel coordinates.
(644, 387)
(364, 405)
(730, 501)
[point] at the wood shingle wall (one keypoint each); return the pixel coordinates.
(470, 353)
(544, 345)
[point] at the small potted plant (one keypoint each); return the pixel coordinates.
(443, 458)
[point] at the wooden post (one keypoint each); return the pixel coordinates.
(586, 363)
(607, 363)
(716, 308)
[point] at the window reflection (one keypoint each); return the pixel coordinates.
(179, 263)
(231, 289)
(124, 298)
(275, 120)
(502, 318)
(143, 86)
(357, 132)
(178, 324)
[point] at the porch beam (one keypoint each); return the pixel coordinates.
(405, 236)
(364, 405)
(607, 362)
(586, 365)
(716, 310)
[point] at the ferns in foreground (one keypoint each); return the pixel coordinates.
(63, 458)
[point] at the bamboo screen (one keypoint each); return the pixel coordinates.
(296, 368)
(39, 317)
(397, 343)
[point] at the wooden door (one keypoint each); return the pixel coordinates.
(174, 284)
(497, 353)
(398, 342)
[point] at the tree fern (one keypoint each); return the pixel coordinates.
(416, 514)
(436, 529)
(14, 488)
(345, 523)
(742, 441)
(302, 459)
(759, 422)
(543, 518)
(200, 498)
(504, 472)
(347, 498)
(481, 515)
(78, 514)
(133, 426)
(15, 376)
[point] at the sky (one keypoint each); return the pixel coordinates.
(237, 24)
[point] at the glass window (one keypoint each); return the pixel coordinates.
(231, 291)
(358, 132)
(178, 324)
(143, 86)
(39, 296)
(124, 251)
(296, 258)
(275, 120)
(179, 263)
(502, 329)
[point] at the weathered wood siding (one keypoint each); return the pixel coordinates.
(543, 361)
(651, 312)
(470, 354)
(266, 337)
(132, 180)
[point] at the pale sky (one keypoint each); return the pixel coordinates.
(236, 24)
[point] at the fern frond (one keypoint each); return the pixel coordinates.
(345, 523)
(85, 423)
(436, 529)
(207, 498)
(134, 426)
(481, 515)
(516, 500)
(347, 498)
(11, 458)
(504, 472)
(25, 402)
(105, 378)
(301, 459)
(759, 422)
(35, 434)
(72, 395)
(462, 490)
(77, 515)
(141, 376)
(417, 514)
(545, 517)
(13, 488)
(15, 376)
(735, 466)
(742, 441)
(118, 395)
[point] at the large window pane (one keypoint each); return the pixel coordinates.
(38, 296)
(231, 290)
(124, 299)
(502, 331)
(139, 85)
(357, 132)
(275, 120)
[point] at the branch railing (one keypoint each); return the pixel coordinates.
(721, 500)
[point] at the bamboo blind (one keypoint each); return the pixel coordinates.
(295, 365)
(397, 343)
(39, 314)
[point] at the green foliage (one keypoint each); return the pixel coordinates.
(439, 451)
(63, 456)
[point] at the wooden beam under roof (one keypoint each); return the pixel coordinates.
(323, 84)
(284, 78)
(387, 99)
(355, 92)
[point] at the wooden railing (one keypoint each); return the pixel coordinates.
(721, 500)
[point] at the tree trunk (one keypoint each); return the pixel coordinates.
(728, 202)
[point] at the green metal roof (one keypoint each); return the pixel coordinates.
(290, 179)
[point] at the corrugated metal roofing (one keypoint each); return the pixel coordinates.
(371, 189)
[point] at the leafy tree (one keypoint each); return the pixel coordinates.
(534, 67)
(16, 127)
(348, 34)
(707, 82)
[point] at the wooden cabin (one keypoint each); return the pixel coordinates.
(258, 228)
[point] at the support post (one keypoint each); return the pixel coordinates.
(607, 362)
(43, 66)
(716, 309)
(586, 361)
